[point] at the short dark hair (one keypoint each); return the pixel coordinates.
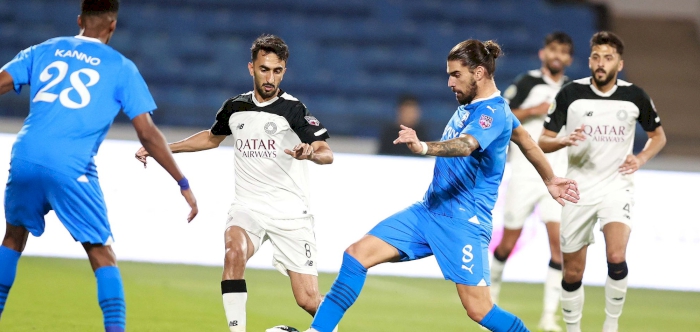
(269, 44)
(560, 38)
(99, 7)
(473, 53)
(608, 38)
(407, 99)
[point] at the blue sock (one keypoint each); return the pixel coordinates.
(110, 294)
(343, 293)
(8, 269)
(499, 320)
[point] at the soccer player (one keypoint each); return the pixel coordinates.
(453, 221)
(78, 85)
(275, 135)
(600, 114)
(529, 98)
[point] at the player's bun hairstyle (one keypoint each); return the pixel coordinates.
(560, 38)
(608, 38)
(99, 7)
(473, 53)
(269, 44)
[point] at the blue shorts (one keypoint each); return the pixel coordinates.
(33, 190)
(460, 246)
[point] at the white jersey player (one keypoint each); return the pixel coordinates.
(600, 114)
(530, 97)
(274, 135)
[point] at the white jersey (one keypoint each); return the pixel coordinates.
(267, 180)
(529, 90)
(609, 121)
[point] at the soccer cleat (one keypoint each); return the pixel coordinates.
(549, 324)
(282, 328)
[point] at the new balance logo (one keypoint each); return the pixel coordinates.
(566, 310)
(618, 298)
(233, 323)
(240, 126)
(309, 263)
(589, 114)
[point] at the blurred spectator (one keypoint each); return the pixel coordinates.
(407, 114)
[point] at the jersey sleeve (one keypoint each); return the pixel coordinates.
(133, 93)
(517, 92)
(556, 117)
(486, 125)
(20, 68)
(648, 117)
(306, 126)
(221, 124)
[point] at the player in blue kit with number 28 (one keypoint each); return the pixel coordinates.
(78, 85)
(453, 221)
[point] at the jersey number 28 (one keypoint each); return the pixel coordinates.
(75, 81)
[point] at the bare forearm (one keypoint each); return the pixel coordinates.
(456, 147)
(323, 156)
(6, 82)
(522, 113)
(652, 148)
(536, 157)
(197, 142)
(550, 144)
(157, 147)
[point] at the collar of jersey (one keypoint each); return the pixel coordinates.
(89, 39)
(550, 81)
(267, 103)
(494, 95)
(603, 94)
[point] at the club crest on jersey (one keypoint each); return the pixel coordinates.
(312, 120)
(270, 128)
(485, 121)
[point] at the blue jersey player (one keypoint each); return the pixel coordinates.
(78, 85)
(453, 221)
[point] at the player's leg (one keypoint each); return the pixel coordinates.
(615, 222)
(550, 211)
(477, 301)
(397, 238)
(12, 246)
(110, 288)
(576, 235)
(519, 204)
(240, 243)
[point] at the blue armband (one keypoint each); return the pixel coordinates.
(184, 184)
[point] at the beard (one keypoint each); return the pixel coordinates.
(260, 88)
(467, 98)
(609, 77)
(553, 70)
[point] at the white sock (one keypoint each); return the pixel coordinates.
(572, 309)
(496, 278)
(235, 295)
(615, 294)
(552, 291)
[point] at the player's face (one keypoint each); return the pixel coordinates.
(604, 63)
(556, 57)
(461, 82)
(267, 71)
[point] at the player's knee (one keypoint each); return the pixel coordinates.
(572, 275)
(235, 255)
(309, 301)
(616, 256)
(356, 251)
(477, 311)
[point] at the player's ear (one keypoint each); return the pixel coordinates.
(250, 68)
(80, 22)
(112, 27)
(620, 65)
(541, 54)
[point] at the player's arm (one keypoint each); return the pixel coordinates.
(561, 189)
(555, 121)
(6, 82)
(550, 142)
(203, 140)
(318, 151)
(154, 142)
(524, 113)
(516, 95)
(461, 146)
(651, 123)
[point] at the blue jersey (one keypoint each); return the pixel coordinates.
(78, 86)
(464, 187)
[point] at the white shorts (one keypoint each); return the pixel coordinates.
(521, 199)
(578, 220)
(293, 240)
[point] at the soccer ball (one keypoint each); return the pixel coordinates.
(282, 328)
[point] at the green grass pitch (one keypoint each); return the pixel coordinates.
(59, 295)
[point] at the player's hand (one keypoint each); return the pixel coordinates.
(631, 164)
(573, 138)
(189, 197)
(563, 189)
(540, 109)
(408, 136)
(301, 151)
(142, 156)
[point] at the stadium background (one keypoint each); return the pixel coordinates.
(350, 60)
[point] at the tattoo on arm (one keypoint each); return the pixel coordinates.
(456, 147)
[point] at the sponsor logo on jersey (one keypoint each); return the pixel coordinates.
(605, 133)
(622, 115)
(312, 120)
(485, 121)
(270, 128)
(257, 148)
(589, 113)
(240, 125)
